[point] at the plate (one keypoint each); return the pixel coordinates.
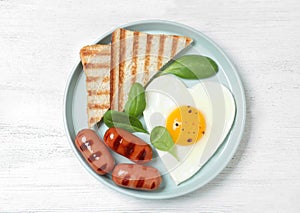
(75, 117)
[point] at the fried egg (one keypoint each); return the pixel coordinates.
(186, 125)
(197, 118)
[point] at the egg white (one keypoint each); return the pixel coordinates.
(216, 103)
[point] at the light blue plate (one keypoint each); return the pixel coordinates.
(75, 117)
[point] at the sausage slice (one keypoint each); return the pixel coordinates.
(94, 151)
(136, 176)
(128, 145)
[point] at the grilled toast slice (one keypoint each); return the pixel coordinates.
(96, 65)
(136, 57)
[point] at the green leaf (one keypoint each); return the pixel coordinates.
(122, 120)
(136, 102)
(162, 140)
(192, 67)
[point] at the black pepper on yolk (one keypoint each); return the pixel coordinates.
(186, 125)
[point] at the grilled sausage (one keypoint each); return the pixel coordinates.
(136, 176)
(128, 145)
(94, 151)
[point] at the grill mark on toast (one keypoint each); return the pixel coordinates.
(95, 119)
(92, 78)
(147, 58)
(96, 65)
(113, 69)
(121, 67)
(174, 45)
(98, 92)
(134, 56)
(106, 79)
(161, 51)
(187, 41)
(88, 51)
(98, 106)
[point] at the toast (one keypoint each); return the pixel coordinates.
(96, 65)
(110, 70)
(136, 57)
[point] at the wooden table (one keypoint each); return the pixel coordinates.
(40, 42)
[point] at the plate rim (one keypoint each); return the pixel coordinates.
(223, 164)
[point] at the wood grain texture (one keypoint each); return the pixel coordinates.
(40, 43)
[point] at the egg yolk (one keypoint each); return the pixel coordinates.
(186, 125)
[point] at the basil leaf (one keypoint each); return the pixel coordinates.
(192, 67)
(136, 102)
(161, 139)
(122, 120)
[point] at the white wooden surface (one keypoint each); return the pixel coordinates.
(39, 43)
